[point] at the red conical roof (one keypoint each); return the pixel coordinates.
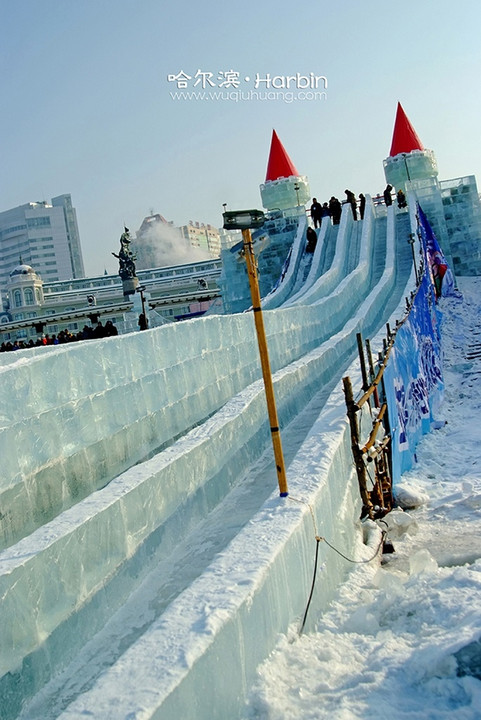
(404, 137)
(279, 165)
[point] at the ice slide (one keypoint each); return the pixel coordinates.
(296, 258)
(301, 267)
(317, 264)
(307, 276)
(145, 549)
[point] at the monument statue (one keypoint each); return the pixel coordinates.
(126, 260)
(126, 257)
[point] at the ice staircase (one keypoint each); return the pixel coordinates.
(145, 550)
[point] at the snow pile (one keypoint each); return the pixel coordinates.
(403, 638)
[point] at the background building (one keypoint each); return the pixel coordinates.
(43, 286)
(43, 235)
(159, 243)
(73, 236)
(32, 308)
(202, 236)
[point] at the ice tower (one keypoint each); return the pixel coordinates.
(284, 189)
(408, 159)
(284, 195)
(411, 167)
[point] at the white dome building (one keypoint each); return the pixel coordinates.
(25, 292)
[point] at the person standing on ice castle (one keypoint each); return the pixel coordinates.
(351, 199)
(362, 205)
(387, 195)
(316, 212)
(335, 208)
(401, 199)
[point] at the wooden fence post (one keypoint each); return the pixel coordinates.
(356, 450)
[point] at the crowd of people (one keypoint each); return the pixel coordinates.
(333, 208)
(64, 336)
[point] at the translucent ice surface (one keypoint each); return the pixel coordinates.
(145, 548)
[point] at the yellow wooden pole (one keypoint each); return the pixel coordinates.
(264, 355)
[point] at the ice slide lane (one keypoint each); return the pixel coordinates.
(315, 265)
(344, 260)
(289, 273)
(304, 270)
(90, 561)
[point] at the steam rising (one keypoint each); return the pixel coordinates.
(159, 244)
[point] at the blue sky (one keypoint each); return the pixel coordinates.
(87, 106)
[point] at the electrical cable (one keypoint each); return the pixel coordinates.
(312, 587)
(358, 562)
(318, 540)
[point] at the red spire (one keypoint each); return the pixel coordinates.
(279, 165)
(404, 138)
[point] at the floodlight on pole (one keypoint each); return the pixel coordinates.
(245, 220)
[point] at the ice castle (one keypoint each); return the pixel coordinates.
(452, 206)
(147, 562)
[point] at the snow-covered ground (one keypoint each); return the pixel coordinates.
(402, 640)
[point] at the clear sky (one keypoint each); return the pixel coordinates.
(86, 105)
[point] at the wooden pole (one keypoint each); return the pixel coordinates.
(264, 356)
(387, 428)
(371, 370)
(375, 429)
(356, 450)
(362, 360)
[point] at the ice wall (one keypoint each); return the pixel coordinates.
(75, 418)
(286, 194)
(462, 210)
(271, 244)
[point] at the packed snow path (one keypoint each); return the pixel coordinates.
(409, 625)
(89, 586)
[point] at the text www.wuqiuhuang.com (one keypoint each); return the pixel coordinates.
(287, 96)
